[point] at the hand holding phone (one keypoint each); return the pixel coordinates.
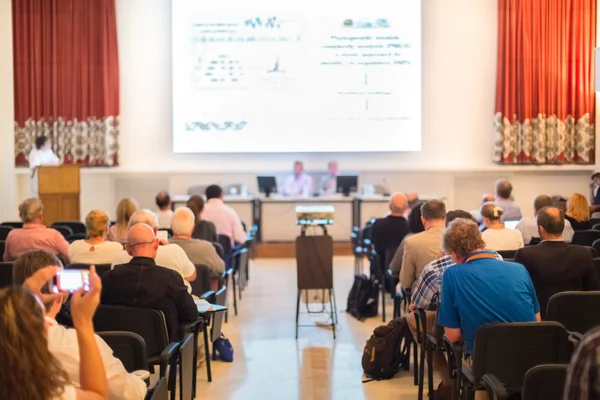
(71, 280)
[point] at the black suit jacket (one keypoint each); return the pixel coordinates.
(557, 267)
(388, 233)
(143, 284)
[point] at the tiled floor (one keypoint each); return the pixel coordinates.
(269, 363)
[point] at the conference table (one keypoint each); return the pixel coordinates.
(276, 215)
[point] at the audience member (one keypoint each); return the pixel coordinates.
(578, 212)
(34, 235)
(95, 249)
(583, 374)
(415, 225)
(424, 247)
(29, 368)
(480, 289)
(388, 232)
(328, 183)
(485, 198)
(168, 255)
(528, 226)
(224, 217)
(595, 195)
(164, 213)
(425, 296)
(413, 199)
(200, 252)
(555, 266)
(297, 184)
(510, 210)
(496, 236)
(144, 283)
(62, 341)
(204, 230)
(125, 209)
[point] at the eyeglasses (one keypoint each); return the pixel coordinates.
(137, 244)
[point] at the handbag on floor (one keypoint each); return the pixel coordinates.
(224, 348)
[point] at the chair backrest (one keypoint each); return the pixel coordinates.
(76, 226)
(509, 350)
(149, 324)
(201, 284)
(596, 246)
(217, 323)
(390, 252)
(100, 268)
(225, 242)
(596, 227)
(4, 231)
(545, 382)
(77, 236)
(577, 311)
(507, 254)
(6, 275)
(128, 347)
(586, 238)
(593, 249)
(594, 221)
(160, 391)
(186, 368)
(64, 230)
(16, 224)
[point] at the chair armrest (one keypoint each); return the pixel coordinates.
(454, 351)
(576, 336)
(208, 296)
(170, 353)
(494, 387)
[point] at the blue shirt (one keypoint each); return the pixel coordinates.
(484, 291)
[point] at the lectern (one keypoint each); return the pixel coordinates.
(59, 190)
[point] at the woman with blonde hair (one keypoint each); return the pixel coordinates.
(96, 249)
(125, 209)
(496, 236)
(578, 212)
(29, 370)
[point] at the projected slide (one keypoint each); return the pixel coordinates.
(309, 76)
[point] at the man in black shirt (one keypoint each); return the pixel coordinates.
(143, 284)
(554, 265)
(388, 232)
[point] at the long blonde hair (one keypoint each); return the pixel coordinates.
(125, 210)
(29, 370)
(578, 208)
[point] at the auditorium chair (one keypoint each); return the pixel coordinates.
(76, 226)
(13, 224)
(585, 238)
(430, 342)
(201, 284)
(2, 247)
(6, 276)
(507, 255)
(100, 268)
(129, 348)
(576, 311)
(542, 382)
(160, 391)
(4, 231)
(504, 352)
(596, 246)
(64, 230)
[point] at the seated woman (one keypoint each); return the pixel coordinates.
(497, 237)
(204, 230)
(29, 370)
(578, 212)
(95, 249)
(118, 232)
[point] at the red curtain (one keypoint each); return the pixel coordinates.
(545, 99)
(66, 76)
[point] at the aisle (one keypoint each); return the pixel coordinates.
(270, 364)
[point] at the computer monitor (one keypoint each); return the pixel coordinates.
(267, 185)
(347, 184)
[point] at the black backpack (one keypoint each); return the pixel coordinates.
(363, 299)
(382, 356)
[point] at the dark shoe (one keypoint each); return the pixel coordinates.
(443, 392)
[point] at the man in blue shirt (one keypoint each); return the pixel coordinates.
(480, 289)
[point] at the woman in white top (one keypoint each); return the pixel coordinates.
(29, 370)
(496, 236)
(41, 155)
(95, 249)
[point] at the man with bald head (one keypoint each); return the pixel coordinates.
(141, 283)
(529, 227)
(555, 266)
(164, 213)
(388, 232)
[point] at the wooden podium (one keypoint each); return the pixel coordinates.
(59, 190)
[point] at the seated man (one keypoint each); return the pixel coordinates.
(555, 266)
(529, 226)
(299, 183)
(511, 210)
(34, 235)
(142, 283)
(200, 252)
(226, 220)
(388, 232)
(480, 289)
(62, 341)
(164, 214)
(424, 247)
(168, 255)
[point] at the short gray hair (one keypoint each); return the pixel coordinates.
(462, 237)
(183, 221)
(144, 216)
(30, 209)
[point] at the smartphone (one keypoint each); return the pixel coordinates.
(162, 235)
(71, 280)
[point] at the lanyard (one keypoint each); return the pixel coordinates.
(478, 256)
